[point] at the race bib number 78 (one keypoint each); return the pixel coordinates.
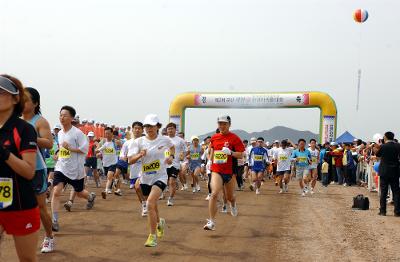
(6, 192)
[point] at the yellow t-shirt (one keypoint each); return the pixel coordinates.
(325, 168)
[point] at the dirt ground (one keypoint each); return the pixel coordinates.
(270, 227)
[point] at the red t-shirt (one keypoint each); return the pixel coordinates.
(92, 149)
(222, 163)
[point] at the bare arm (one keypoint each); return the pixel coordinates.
(45, 139)
(24, 167)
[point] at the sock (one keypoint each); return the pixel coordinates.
(55, 216)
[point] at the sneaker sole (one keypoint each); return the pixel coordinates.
(209, 229)
(67, 207)
(104, 195)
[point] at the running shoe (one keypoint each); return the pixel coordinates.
(303, 194)
(170, 202)
(118, 192)
(224, 209)
(55, 226)
(68, 205)
(90, 202)
(198, 188)
(144, 209)
(234, 211)
(281, 191)
(210, 225)
(48, 245)
(151, 241)
(131, 186)
(109, 191)
(208, 197)
(160, 228)
(194, 190)
(251, 187)
(104, 194)
(258, 191)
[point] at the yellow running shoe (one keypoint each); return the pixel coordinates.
(151, 241)
(160, 228)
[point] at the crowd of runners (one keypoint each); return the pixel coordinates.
(39, 162)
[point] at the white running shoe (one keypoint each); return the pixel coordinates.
(144, 209)
(198, 188)
(170, 202)
(185, 187)
(281, 191)
(210, 225)
(118, 192)
(234, 211)
(194, 190)
(303, 194)
(208, 197)
(131, 186)
(258, 191)
(312, 191)
(48, 245)
(109, 191)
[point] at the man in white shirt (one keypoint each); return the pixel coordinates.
(70, 165)
(173, 170)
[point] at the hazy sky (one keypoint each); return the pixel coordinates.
(144, 53)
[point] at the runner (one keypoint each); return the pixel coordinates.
(108, 151)
(247, 167)
(224, 146)
(51, 159)
(153, 180)
(258, 158)
(173, 170)
(134, 175)
(302, 158)
(314, 164)
(272, 151)
(70, 165)
(32, 115)
(19, 212)
(193, 155)
(122, 167)
(282, 157)
(91, 160)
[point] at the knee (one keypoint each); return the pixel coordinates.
(151, 205)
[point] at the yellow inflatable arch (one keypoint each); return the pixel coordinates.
(328, 116)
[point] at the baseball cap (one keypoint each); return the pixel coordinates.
(334, 144)
(83, 120)
(57, 126)
(91, 121)
(151, 120)
(8, 86)
(90, 134)
(253, 139)
(224, 118)
(194, 137)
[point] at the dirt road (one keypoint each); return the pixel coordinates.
(270, 227)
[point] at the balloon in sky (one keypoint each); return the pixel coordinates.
(360, 15)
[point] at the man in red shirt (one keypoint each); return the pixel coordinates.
(224, 147)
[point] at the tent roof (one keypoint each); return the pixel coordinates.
(346, 137)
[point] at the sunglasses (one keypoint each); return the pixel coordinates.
(8, 86)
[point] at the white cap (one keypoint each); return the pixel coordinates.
(90, 134)
(151, 120)
(276, 141)
(334, 144)
(194, 137)
(83, 120)
(253, 139)
(224, 118)
(267, 144)
(57, 126)
(91, 121)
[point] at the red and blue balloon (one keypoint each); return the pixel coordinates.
(360, 15)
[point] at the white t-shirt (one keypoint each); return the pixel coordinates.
(314, 158)
(134, 170)
(180, 148)
(283, 156)
(124, 149)
(109, 153)
(153, 166)
(272, 152)
(248, 150)
(69, 163)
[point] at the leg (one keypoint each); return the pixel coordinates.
(229, 189)
(260, 176)
(26, 246)
(110, 176)
(44, 214)
(152, 209)
(384, 191)
(216, 187)
(55, 200)
(116, 179)
(394, 185)
(139, 193)
(172, 186)
(314, 177)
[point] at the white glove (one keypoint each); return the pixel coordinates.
(226, 151)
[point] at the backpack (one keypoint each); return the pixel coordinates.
(360, 202)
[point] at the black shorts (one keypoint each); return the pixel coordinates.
(225, 178)
(282, 173)
(78, 185)
(172, 172)
(50, 170)
(39, 181)
(124, 170)
(91, 162)
(146, 189)
(110, 169)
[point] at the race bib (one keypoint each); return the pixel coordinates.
(258, 158)
(302, 159)
(64, 153)
(195, 156)
(220, 157)
(109, 151)
(283, 157)
(181, 156)
(6, 192)
(167, 154)
(314, 160)
(151, 168)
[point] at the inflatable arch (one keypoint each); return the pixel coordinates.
(328, 116)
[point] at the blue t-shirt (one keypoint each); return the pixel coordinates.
(302, 157)
(257, 157)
